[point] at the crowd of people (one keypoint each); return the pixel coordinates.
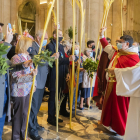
(18, 81)
(16, 84)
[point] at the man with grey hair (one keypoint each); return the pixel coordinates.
(41, 80)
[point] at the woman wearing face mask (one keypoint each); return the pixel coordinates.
(85, 91)
(76, 52)
(67, 47)
(20, 89)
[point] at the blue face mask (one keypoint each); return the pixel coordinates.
(76, 52)
(91, 54)
(139, 48)
(44, 43)
(119, 46)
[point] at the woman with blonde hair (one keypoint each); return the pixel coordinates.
(86, 84)
(21, 83)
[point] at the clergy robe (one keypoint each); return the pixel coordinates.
(115, 108)
(128, 85)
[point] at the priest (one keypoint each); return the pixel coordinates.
(128, 85)
(115, 108)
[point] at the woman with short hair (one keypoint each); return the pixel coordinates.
(21, 83)
(86, 84)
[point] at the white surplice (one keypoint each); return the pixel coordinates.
(128, 85)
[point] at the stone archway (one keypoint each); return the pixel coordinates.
(27, 16)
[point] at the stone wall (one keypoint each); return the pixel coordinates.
(10, 9)
(131, 20)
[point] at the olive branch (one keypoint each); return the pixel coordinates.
(42, 58)
(3, 61)
(90, 66)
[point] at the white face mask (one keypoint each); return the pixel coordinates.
(76, 52)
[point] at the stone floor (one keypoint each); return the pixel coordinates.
(84, 126)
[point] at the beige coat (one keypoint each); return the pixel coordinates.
(87, 81)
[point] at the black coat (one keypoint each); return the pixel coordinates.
(11, 53)
(63, 67)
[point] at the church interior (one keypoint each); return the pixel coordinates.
(123, 18)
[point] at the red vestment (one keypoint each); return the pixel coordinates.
(115, 108)
(101, 82)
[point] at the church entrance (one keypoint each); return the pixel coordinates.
(27, 14)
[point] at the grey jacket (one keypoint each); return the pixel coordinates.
(42, 70)
(2, 85)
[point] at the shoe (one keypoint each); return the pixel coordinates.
(81, 108)
(59, 120)
(88, 106)
(52, 121)
(40, 128)
(65, 114)
(36, 137)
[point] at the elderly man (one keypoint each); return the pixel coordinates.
(63, 65)
(5, 83)
(41, 80)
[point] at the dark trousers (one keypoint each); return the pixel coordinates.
(51, 105)
(36, 103)
(2, 120)
(20, 106)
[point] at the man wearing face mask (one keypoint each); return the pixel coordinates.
(41, 80)
(63, 65)
(91, 44)
(115, 108)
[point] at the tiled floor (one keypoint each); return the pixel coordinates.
(84, 126)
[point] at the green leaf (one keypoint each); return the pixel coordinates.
(3, 62)
(90, 66)
(70, 32)
(42, 58)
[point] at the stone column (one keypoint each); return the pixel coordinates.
(116, 29)
(68, 17)
(13, 13)
(78, 23)
(83, 42)
(110, 22)
(125, 15)
(1, 10)
(96, 11)
(50, 25)
(61, 14)
(5, 6)
(87, 20)
(41, 17)
(36, 23)
(130, 14)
